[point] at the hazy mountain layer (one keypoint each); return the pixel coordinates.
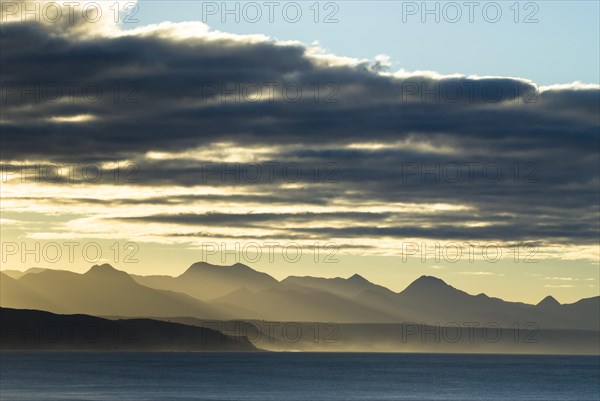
(208, 291)
(407, 337)
(102, 290)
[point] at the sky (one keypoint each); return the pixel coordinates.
(548, 42)
(370, 145)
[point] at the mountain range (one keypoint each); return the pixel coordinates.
(206, 291)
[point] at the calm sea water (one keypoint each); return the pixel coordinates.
(295, 376)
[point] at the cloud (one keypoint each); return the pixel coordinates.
(562, 278)
(77, 20)
(559, 286)
(187, 105)
(480, 273)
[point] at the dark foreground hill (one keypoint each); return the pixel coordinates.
(38, 330)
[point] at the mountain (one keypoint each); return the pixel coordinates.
(102, 290)
(587, 308)
(208, 291)
(38, 330)
(14, 293)
(251, 294)
(16, 274)
(205, 281)
(288, 305)
(432, 300)
(549, 303)
(349, 287)
(358, 291)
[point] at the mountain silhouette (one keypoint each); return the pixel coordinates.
(13, 292)
(206, 281)
(284, 304)
(349, 287)
(107, 272)
(101, 291)
(428, 284)
(207, 291)
(16, 274)
(548, 302)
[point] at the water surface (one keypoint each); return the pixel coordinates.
(65, 376)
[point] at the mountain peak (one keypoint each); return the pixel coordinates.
(548, 302)
(358, 278)
(201, 264)
(198, 266)
(427, 284)
(34, 270)
(429, 280)
(105, 270)
(103, 267)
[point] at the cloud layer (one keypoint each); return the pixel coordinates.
(224, 131)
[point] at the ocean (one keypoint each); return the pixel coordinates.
(63, 376)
